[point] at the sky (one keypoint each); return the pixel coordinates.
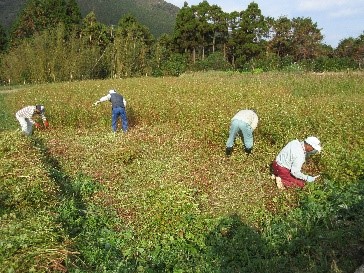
(337, 19)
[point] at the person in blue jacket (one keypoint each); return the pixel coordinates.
(118, 104)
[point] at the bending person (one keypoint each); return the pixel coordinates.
(25, 118)
(288, 164)
(243, 124)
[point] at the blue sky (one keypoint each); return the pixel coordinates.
(337, 19)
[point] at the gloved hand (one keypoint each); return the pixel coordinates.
(37, 125)
(96, 103)
(312, 178)
(46, 124)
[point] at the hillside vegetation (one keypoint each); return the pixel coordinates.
(163, 197)
(158, 15)
(61, 44)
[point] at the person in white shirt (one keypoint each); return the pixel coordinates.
(287, 165)
(243, 124)
(25, 118)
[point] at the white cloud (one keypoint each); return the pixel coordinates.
(342, 13)
(315, 5)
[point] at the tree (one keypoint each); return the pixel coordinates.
(161, 53)
(306, 39)
(233, 24)
(203, 31)
(281, 42)
(359, 50)
(219, 26)
(39, 15)
(3, 39)
(95, 33)
(184, 34)
(249, 37)
(352, 48)
(345, 48)
(73, 15)
(131, 48)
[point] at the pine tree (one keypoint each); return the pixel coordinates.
(249, 37)
(185, 37)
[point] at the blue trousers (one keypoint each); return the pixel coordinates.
(245, 132)
(115, 113)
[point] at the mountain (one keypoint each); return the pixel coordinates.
(158, 15)
(9, 10)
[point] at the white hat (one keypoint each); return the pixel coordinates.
(314, 142)
(112, 91)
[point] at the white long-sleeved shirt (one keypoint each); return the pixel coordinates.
(248, 116)
(108, 97)
(28, 112)
(292, 157)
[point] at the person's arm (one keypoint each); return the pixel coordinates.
(45, 121)
(296, 168)
(102, 99)
(44, 118)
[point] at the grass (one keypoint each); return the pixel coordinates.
(163, 197)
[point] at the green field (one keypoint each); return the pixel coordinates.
(163, 197)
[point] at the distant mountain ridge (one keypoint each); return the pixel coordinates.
(158, 15)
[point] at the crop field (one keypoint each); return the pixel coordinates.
(163, 197)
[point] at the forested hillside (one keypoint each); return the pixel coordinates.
(9, 10)
(158, 16)
(60, 43)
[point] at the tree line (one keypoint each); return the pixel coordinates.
(50, 41)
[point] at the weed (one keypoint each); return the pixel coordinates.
(163, 197)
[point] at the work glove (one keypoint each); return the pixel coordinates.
(37, 125)
(312, 178)
(96, 103)
(46, 124)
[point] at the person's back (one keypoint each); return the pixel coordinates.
(117, 100)
(248, 116)
(243, 123)
(288, 163)
(118, 104)
(290, 153)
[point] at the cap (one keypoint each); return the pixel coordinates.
(40, 108)
(314, 142)
(112, 91)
